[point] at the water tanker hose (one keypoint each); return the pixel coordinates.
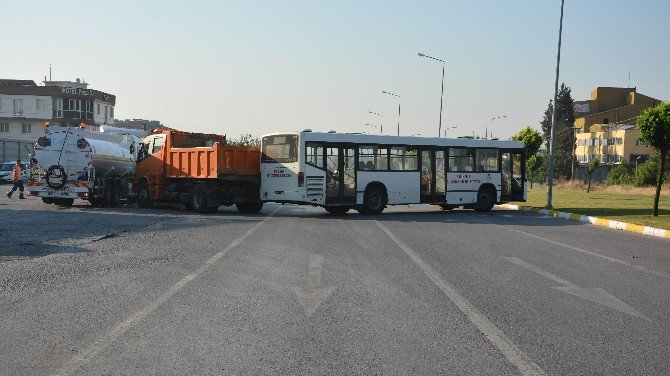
(56, 177)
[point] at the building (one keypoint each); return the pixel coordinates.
(25, 109)
(611, 105)
(611, 144)
(605, 129)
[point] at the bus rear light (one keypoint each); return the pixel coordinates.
(301, 179)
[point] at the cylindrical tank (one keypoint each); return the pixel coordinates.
(66, 155)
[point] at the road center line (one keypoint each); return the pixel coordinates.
(493, 334)
(88, 353)
(590, 253)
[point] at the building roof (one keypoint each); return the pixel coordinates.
(11, 82)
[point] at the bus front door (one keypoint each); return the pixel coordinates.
(512, 180)
(341, 175)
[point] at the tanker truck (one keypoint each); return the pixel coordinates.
(73, 163)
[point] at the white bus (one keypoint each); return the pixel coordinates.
(343, 171)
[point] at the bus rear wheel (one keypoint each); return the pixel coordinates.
(374, 201)
(486, 198)
(336, 210)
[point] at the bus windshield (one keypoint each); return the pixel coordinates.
(281, 148)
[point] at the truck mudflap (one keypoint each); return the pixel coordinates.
(69, 190)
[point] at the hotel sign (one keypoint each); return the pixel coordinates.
(579, 107)
(75, 91)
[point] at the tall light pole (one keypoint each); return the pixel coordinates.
(550, 178)
(395, 95)
(439, 129)
(486, 132)
(381, 121)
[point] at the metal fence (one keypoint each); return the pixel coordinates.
(11, 150)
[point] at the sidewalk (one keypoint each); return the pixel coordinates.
(646, 230)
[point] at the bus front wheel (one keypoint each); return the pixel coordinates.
(374, 200)
(486, 198)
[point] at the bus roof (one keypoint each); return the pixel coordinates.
(360, 138)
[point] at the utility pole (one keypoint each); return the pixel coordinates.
(395, 95)
(550, 178)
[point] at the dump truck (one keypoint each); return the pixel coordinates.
(199, 170)
(73, 163)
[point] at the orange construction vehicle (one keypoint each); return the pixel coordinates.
(199, 170)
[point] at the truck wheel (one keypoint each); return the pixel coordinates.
(486, 198)
(374, 200)
(199, 199)
(47, 200)
(143, 196)
(336, 210)
(249, 207)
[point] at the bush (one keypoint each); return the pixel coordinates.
(622, 174)
(647, 172)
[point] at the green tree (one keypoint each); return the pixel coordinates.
(245, 140)
(534, 164)
(593, 166)
(531, 138)
(654, 126)
(564, 136)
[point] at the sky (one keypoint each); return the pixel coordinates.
(233, 67)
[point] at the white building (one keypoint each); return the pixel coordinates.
(26, 108)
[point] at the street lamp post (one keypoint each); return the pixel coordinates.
(446, 128)
(486, 132)
(395, 95)
(439, 130)
(550, 178)
(381, 121)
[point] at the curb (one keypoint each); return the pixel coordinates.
(610, 223)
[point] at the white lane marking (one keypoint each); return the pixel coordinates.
(596, 295)
(88, 353)
(590, 253)
(523, 363)
(313, 295)
(542, 272)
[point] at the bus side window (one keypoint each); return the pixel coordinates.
(487, 160)
(314, 154)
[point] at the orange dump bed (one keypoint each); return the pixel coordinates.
(212, 162)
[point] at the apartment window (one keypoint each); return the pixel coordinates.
(606, 121)
(26, 128)
(18, 107)
(58, 107)
(0, 104)
(4, 127)
(111, 112)
(98, 109)
(40, 104)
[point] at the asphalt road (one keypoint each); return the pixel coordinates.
(294, 290)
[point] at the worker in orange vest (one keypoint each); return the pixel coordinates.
(18, 182)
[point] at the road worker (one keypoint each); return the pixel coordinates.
(18, 181)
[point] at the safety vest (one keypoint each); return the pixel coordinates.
(16, 172)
